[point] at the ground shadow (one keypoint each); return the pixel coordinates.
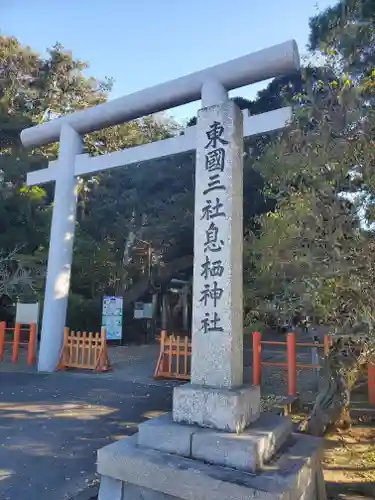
(51, 427)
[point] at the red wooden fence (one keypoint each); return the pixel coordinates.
(291, 364)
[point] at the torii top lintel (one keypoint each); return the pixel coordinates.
(255, 67)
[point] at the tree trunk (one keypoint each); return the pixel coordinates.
(343, 366)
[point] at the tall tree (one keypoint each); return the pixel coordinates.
(346, 32)
(34, 89)
(312, 252)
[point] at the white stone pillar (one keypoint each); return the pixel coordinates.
(217, 359)
(216, 397)
(60, 251)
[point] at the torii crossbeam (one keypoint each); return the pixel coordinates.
(85, 164)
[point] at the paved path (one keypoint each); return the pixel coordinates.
(52, 425)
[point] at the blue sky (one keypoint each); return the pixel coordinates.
(144, 42)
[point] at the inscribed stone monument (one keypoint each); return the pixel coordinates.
(215, 397)
(217, 297)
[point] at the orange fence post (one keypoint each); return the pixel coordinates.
(371, 383)
(64, 355)
(166, 357)
(32, 345)
(16, 342)
(105, 364)
(2, 339)
(257, 366)
(327, 344)
(292, 364)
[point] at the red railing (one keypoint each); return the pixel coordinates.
(292, 366)
(16, 342)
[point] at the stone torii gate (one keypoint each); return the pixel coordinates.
(218, 139)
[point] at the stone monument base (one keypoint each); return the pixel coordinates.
(224, 409)
(172, 461)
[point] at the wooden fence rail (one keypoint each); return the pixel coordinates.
(174, 358)
(85, 350)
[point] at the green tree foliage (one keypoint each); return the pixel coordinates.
(34, 89)
(313, 252)
(346, 31)
(151, 203)
(320, 174)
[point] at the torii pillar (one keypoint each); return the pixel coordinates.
(60, 251)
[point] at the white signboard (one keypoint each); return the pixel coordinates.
(27, 313)
(143, 310)
(112, 317)
(147, 310)
(138, 310)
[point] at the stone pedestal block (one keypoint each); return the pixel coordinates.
(163, 434)
(248, 451)
(229, 410)
(154, 475)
